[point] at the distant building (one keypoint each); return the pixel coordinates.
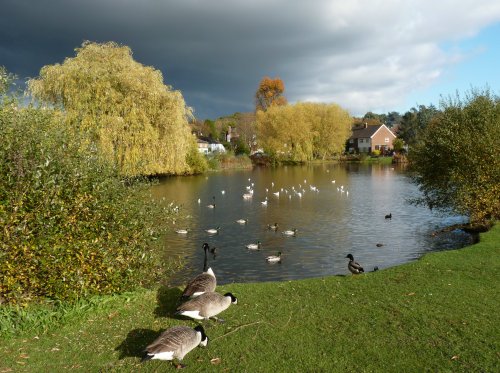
(367, 139)
(207, 145)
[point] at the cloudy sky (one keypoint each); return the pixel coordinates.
(366, 55)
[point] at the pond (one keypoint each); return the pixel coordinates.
(337, 209)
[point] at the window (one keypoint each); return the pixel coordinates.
(360, 141)
(386, 139)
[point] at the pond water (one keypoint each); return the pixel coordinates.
(345, 215)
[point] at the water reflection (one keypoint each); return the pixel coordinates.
(346, 215)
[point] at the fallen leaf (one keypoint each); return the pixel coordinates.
(410, 294)
(454, 357)
(24, 356)
(111, 315)
(215, 361)
(55, 349)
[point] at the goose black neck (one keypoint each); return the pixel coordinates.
(205, 261)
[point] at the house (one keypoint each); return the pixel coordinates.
(207, 145)
(367, 139)
(202, 146)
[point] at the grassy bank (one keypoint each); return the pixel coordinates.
(436, 314)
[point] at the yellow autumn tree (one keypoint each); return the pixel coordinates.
(303, 131)
(285, 133)
(138, 122)
(331, 126)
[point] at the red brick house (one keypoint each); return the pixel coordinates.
(366, 139)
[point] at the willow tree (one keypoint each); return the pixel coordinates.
(137, 121)
(285, 133)
(330, 126)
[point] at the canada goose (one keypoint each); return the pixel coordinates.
(273, 227)
(379, 245)
(389, 216)
(292, 232)
(242, 221)
(274, 258)
(206, 306)
(182, 231)
(212, 230)
(264, 203)
(353, 266)
(175, 343)
(204, 282)
(253, 246)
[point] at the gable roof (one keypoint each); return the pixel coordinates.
(368, 132)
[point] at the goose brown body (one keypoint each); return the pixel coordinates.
(206, 305)
(204, 282)
(175, 343)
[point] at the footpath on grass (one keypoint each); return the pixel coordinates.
(439, 313)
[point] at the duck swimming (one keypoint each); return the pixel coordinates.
(274, 258)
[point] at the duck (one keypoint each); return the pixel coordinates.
(175, 343)
(206, 306)
(379, 244)
(212, 205)
(212, 230)
(291, 232)
(247, 196)
(277, 194)
(254, 246)
(273, 227)
(274, 258)
(242, 221)
(202, 283)
(264, 203)
(354, 267)
(389, 216)
(213, 251)
(182, 231)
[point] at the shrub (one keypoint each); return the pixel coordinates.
(70, 226)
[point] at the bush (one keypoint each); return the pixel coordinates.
(70, 226)
(456, 160)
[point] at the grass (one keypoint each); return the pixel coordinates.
(439, 313)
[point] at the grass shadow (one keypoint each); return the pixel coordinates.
(136, 342)
(167, 301)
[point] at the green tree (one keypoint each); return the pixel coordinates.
(414, 121)
(138, 122)
(456, 160)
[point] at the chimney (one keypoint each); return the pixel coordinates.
(365, 125)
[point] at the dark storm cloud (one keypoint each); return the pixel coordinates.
(217, 51)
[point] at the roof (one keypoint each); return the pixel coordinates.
(369, 131)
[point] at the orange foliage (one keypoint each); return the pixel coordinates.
(269, 93)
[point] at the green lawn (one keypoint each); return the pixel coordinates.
(437, 314)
